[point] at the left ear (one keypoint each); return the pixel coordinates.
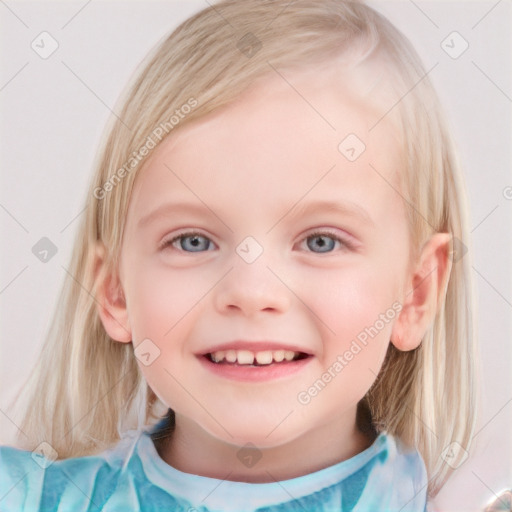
(427, 289)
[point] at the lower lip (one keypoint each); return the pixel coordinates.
(249, 373)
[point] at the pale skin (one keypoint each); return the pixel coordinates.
(257, 165)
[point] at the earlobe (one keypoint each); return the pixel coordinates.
(425, 294)
(111, 303)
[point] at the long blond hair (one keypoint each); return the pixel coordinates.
(87, 388)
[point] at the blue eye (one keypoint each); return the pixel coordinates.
(319, 242)
(322, 242)
(190, 242)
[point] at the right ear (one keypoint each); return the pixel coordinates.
(111, 304)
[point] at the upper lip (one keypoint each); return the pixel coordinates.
(255, 346)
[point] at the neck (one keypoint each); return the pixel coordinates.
(185, 449)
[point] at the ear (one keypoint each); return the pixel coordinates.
(426, 291)
(111, 304)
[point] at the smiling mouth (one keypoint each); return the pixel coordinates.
(258, 363)
(255, 359)
(249, 358)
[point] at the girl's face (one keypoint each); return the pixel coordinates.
(274, 224)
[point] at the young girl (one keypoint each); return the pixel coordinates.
(269, 302)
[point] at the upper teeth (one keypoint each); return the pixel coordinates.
(248, 357)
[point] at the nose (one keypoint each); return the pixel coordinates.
(251, 288)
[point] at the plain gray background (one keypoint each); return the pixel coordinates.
(53, 112)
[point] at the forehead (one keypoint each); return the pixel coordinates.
(312, 134)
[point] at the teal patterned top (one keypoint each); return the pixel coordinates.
(133, 477)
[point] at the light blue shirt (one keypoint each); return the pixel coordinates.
(132, 477)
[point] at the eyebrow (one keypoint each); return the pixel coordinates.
(347, 208)
(170, 208)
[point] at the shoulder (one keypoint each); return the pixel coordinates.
(21, 479)
(402, 469)
(38, 481)
(407, 460)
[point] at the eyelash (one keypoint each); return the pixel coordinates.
(346, 244)
(343, 241)
(169, 242)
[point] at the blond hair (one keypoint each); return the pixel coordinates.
(87, 388)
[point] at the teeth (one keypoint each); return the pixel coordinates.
(244, 357)
(218, 356)
(288, 355)
(278, 355)
(264, 357)
(247, 357)
(231, 356)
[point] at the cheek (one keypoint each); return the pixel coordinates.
(161, 310)
(355, 316)
(348, 299)
(355, 313)
(164, 306)
(163, 299)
